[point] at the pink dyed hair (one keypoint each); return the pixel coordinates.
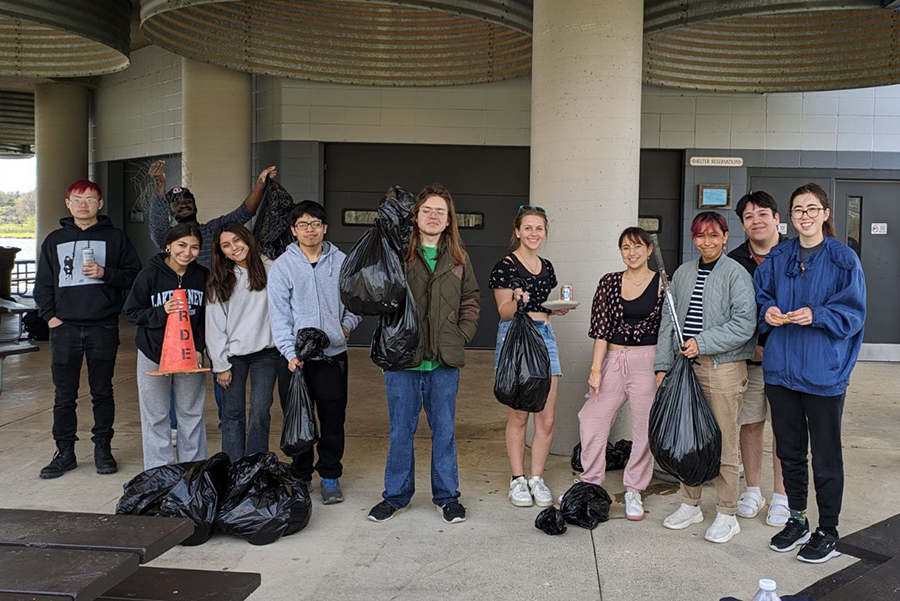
(703, 220)
(83, 185)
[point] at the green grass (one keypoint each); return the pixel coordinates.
(17, 230)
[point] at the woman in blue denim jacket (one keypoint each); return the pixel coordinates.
(811, 294)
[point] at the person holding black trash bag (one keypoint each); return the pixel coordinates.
(303, 293)
(524, 265)
(812, 303)
(625, 321)
(442, 280)
(716, 308)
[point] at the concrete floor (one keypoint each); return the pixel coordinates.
(497, 553)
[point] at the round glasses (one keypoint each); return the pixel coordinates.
(813, 212)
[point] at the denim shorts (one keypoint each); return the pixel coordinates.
(546, 331)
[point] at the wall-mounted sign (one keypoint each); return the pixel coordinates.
(714, 196)
(717, 162)
(879, 229)
(782, 229)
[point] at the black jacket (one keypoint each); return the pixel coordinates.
(152, 289)
(62, 291)
(742, 255)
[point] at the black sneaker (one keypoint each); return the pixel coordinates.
(383, 512)
(820, 548)
(793, 534)
(452, 512)
(103, 458)
(63, 461)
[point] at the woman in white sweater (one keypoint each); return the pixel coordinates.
(239, 339)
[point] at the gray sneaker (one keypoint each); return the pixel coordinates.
(331, 491)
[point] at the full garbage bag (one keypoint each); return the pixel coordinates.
(300, 430)
(616, 456)
(550, 521)
(585, 505)
(684, 436)
(272, 229)
(396, 336)
(189, 490)
(265, 500)
(522, 381)
(372, 279)
(395, 215)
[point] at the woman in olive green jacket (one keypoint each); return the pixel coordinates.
(442, 280)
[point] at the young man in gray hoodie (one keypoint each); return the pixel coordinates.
(303, 293)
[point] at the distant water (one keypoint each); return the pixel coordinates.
(29, 249)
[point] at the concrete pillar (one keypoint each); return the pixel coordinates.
(215, 136)
(61, 146)
(585, 158)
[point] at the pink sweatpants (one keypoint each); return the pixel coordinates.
(627, 374)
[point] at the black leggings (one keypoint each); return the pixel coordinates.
(801, 420)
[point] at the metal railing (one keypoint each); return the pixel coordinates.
(23, 278)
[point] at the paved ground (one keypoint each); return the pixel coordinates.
(497, 553)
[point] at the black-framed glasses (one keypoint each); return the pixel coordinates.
(813, 212)
(532, 208)
(305, 225)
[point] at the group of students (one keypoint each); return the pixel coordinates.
(774, 325)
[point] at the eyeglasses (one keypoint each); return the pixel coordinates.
(304, 225)
(84, 201)
(532, 208)
(813, 212)
(428, 212)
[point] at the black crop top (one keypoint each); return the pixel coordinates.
(537, 286)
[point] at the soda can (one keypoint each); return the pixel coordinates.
(567, 293)
(87, 255)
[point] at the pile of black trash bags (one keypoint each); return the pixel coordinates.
(257, 498)
(585, 505)
(616, 456)
(373, 282)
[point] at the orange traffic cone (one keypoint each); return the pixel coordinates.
(179, 356)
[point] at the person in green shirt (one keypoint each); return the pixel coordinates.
(443, 283)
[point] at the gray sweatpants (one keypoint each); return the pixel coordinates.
(154, 395)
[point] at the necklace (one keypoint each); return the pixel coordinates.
(637, 284)
(529, 267)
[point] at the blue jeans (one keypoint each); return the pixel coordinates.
(260, 367)
(407, 391)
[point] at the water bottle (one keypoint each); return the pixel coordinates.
(766, 591)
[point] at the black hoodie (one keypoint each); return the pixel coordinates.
(742, 255)
(152, 289)
(62, 291)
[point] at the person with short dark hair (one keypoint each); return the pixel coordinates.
(85, 269)
(304, 293)
(812, 304)
(716, 308)
(758, 212)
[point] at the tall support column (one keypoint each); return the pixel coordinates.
(61, 147)
(585, 159)
(215, 139)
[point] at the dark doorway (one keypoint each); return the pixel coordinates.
(660, 204)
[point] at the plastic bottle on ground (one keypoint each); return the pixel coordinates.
(766, 591)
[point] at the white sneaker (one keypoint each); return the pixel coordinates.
(683, 517)
(723, 529)
(542, 495)
(634, 507)
(519, 495)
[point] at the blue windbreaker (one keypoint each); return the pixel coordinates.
(815, 359)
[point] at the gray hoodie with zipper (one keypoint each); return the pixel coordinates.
(303, 296)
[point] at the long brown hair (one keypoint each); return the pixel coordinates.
(450, 241)
(822, 196)
(525, 211)
(221, 281)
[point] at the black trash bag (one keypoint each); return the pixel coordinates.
(372, 279)
(300, 430)
(684, 436)
(617, 454)
(395, 215)
(272, 229)
(522, 381)
(189, 490)
(265, 500)
(36, 327)
(585, 505)
(550, 521)
(396, 336)
(576, 459)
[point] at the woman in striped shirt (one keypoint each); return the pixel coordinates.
(716, 306)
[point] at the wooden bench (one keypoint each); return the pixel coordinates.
(13, 348)
(170, 584)
(66, 573)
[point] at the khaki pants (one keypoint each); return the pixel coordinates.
(724, 387)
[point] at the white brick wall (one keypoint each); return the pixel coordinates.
(137, 112)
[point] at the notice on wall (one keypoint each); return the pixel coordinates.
(716, 161)
(782, 229)
(879, 229)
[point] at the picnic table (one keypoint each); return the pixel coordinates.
(82, 556)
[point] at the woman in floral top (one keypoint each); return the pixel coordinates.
(624, 324)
